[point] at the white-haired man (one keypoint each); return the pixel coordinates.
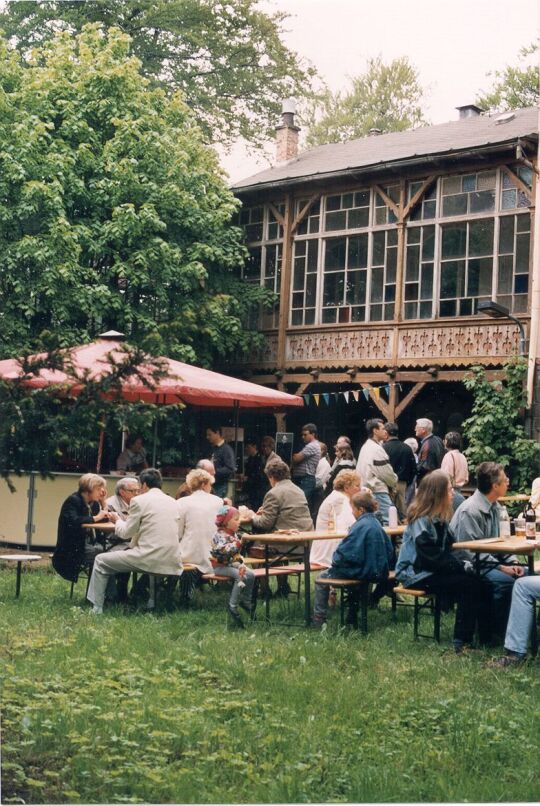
(431, 450)
(126, 489)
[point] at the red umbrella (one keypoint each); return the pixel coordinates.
(182, 383)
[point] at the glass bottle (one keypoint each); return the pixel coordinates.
(504, 523)
(530, 522)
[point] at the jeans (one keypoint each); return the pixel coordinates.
(385, 502)
(307, 484)
(526, 590)
(320, 607)
(238, 593)
(501, 586)
(472, 596)
(220, 488)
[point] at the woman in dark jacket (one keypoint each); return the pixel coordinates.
(75, 546)
(426, 560)
(344, 461)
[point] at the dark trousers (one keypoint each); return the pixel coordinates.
(307, 485)
(472, 597)
(189, 582)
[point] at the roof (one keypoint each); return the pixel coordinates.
(445, 139)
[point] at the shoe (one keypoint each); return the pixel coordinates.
(236, 619)
(506, 661)
(318, 623)
(97, 610)
(249, 609)
(465, 649)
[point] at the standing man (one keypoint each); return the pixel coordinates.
(403, 464)
(222, 459)
(431, 450)
(268, 445)
(477, 519)
(153, 529)
(305, 463)
(374, 467)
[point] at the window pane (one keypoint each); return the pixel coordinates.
(389, 312)
(298, 275)
(376, 285)
(391, 237)
(361, 199)
(375, 313)
(358, 314)
(481, 237)
(358, 218)
(480, 276)
(252, 268)
(426, 288)
(452, 278)
(509, 199)
(506, 266)
(414, 235)
(390, 293)
(486, 180)
(378, 248)
(313, 255)
(430, 209)
(313, 225)
(335, 254)
(520, 303)
(333, 203)
(447, 308)
(451, 184)
(468, 183)
(356, 287)
(413, 257)
(380, 215)
(426, 310)
(344, 314)
(328, 316)
(391, 265)
(521, 283)
(358, 252)
(333, 289)
(482, 202)
(410, 310)
(254, 232)
(311, 290)
(455, 205)
(465, 307)
(336, 220)
(296, 318)
(454, 241)
(506, 234)
(298, 299)
(523, 223)
(411, 291)
(522, 253)
(428, 243)
(310, 316)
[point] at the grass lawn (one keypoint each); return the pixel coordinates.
(174, 708)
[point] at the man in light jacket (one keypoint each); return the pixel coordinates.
(375, 469)
(152, 528)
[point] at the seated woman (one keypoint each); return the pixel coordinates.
(76, 546)
(197, 525)
(426, 561)
(365, 554)
(346, 484)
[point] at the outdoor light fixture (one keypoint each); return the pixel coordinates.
(496, 311)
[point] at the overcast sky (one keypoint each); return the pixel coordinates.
(453, 43)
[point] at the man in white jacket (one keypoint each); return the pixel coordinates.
(375, 468)
(153, 529)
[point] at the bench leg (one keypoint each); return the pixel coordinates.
(437, 618)
(364, 598)
(342, 607)
(416, 618)
(18, 580)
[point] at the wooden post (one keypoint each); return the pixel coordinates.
(100, 447)
(285, 286)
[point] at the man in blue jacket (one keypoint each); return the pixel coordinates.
(365, 554)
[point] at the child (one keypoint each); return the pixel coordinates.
(226, 546)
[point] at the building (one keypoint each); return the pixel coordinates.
(380, 250)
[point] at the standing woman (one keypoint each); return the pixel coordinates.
(454, 462)
(426, 560)
(344, 461)
(338, 503)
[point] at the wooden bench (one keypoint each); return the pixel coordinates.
(349, 585)
(431, 603)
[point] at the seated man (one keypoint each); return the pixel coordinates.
(284, 506)
(478, 518)
(365, 554)
(526, 591)
(133, 458)
(152, 527)
(124, 492)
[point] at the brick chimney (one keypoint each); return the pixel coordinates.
(469, 111)
(287, 132)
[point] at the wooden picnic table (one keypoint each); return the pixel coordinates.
(512, 499)
(19, 559)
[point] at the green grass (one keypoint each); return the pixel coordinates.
(173, 708)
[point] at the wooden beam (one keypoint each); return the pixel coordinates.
(277, 215)
(286, 276)
(374, 377)
(381, 405)
(519, 184)
(407, 210)
(303, 212)
(388, 201)
(392, 402)
(409, 397)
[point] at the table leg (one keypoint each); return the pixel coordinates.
(18, 581)
(267, 580)
(307, 585)
(534, 631)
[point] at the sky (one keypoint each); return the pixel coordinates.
(454, 44)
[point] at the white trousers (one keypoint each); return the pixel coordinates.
(107, 565)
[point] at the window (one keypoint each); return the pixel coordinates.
(383, 275)
(511, 197)
(384, 214)
(347, 211)
(271, 276)
(252, 220)
(274, 230)
(513, 269)
(311, 221)
(466, 266)
(469, 193)
(304, 282)
(345, 279)
(419, 269)
(426, 208)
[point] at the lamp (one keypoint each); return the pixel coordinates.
(496, 311)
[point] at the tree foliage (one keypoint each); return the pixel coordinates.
(227, 58)
(386, 97)
(514, 87)
(113, 213)
(494, 430)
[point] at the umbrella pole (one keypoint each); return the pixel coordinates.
(236, 406)
(154, 447)
(100, 449)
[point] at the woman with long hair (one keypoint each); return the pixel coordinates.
(426, 560)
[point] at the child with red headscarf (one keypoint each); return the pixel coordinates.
(226, 545)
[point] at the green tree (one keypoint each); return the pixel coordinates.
(514, 87)
(386, 97)
(113, 213)
(227, 58)
(494, 431)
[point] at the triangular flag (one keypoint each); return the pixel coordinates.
(326, 398)
(387, 389)
(365, 392)
(356, 394)
(346, 396)
(306, 399)
(377, 392)
(316, 398)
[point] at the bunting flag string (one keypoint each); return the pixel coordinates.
(328, 397)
